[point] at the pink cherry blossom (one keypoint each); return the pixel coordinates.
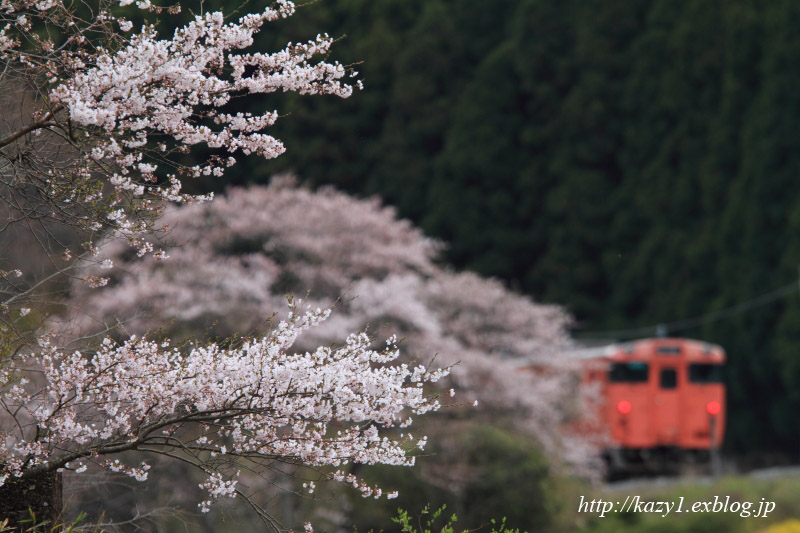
(249, 405)
(123, 104)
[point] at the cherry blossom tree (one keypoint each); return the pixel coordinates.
(103, 114)
(114, 109)
(232, 262)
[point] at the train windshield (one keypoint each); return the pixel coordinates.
(705, 373)
(634, 372)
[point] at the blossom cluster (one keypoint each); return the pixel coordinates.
(252, 404)
(128, 102)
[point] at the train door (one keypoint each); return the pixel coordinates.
(666, 408)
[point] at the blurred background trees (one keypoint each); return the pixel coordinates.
(634, 161)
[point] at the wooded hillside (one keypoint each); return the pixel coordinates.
(636, 161)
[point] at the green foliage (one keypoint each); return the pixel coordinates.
(780, 490)
(480, 473)
(405, 520)
(35, 525)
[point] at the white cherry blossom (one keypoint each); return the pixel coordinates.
(252, 404)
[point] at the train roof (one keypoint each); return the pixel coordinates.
(645, 349)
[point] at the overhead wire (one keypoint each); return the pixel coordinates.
(708, 318)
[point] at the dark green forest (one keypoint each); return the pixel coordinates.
(635, 161)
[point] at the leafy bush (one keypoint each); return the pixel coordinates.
(405, 520)
(486, 472)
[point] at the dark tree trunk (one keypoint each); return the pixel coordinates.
(40, 494)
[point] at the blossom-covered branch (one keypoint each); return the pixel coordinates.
(121, 105)
(222, 409)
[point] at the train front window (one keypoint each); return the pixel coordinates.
(669, 378)
(705, 373)
(634, 372)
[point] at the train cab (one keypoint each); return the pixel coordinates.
(662, 398)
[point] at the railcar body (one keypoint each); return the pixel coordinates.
(663, 403)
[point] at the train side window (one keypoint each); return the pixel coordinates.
(634, 372)
(669, 378)
(705, 373)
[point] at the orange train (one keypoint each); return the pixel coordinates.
(663, 403)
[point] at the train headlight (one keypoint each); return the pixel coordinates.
(624, 407)
(713, 408)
